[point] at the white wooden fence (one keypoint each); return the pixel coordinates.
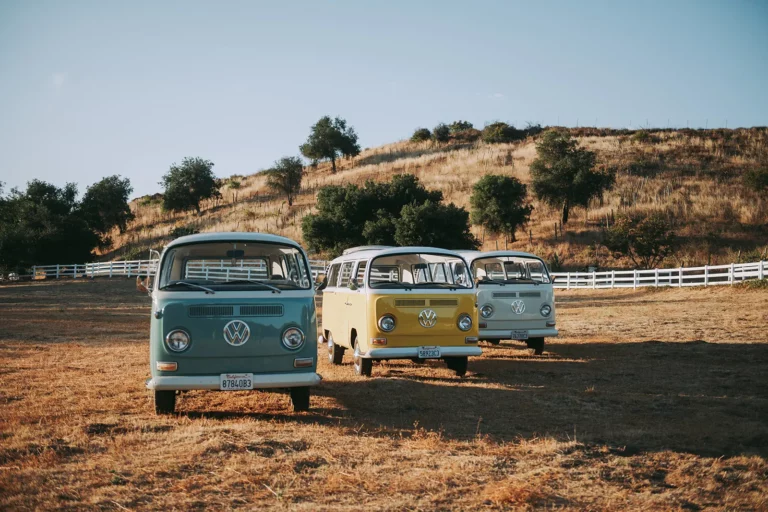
(708, 275)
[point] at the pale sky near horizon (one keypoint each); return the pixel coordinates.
(94, 88)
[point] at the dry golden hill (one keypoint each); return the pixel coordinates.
(695, 176)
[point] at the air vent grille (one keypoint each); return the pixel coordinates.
(262, 310)
(410, 302)
(530, 294)
(212, 311)
(504, 295)
(443, 302)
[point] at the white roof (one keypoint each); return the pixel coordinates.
(366, 253)
(474, 255)
(233, 237)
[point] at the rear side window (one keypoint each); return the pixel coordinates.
(346, 273)
(333, 274)
(361, 273)
(385, 274)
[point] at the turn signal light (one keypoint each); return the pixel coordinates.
(483, 325)
(378, 341)
(167, 367)
(551, 324)
(470, 339)
(303, 362)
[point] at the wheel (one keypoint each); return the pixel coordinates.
(537, 344)
(165, 402)
(300, 398)
(335, 352)
(362, 365)
(416, 360)
(493, 342)
(457, 364)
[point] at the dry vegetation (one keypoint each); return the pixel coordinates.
(652, 400)
(692, 176)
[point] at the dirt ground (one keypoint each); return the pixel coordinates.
(650, 400)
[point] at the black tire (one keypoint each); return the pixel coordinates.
(165, 402)
(457, 364)
(493, 342)
(537, 344)
(416, 360)
(300, 398)
(335, 352)
(363, 366)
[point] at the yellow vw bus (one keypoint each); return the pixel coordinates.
(413, 303)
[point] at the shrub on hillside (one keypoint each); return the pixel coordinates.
(421, 135)
(502, 132)
(647, 241)
(184, 231)
(441, 133)
(469, 135)
(757, 180)
(460, 126)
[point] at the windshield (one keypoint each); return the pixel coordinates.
(419, 271)
(231, 266)
(510, 269)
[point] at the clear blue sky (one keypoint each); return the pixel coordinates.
(90, 89)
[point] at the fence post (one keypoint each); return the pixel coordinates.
(656, 278)
(568, 281)
(74, 272)
(706, 275)
(57, 271)
(129, 268)
(680, 277)
(731, 277)
(110, 268)
(760, 273)
(594, 279)
(613, 279)
(634, 279)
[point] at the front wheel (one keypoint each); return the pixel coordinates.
(362, 365)
(335, 352)
(457, 364)
(493, 342)
(537, 344)
(165, 401)
(300, 398)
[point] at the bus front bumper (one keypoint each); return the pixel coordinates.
(506, 334)
(413, 352)
(213, 382)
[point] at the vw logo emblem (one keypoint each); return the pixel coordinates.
(427, 318)
(236, 333)
(518, 307)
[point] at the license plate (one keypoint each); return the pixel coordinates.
(429, 353)
(519, 335)
(236, 381)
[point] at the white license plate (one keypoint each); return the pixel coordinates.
(519, 335)
(236, 381)
(429, 353)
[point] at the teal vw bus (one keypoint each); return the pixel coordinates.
(230, 312)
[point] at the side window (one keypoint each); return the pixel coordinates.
(346, 273)
(538, 272)
(333, 274)
(361, 274)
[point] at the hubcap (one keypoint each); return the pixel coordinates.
(330, 349)
(357, 359)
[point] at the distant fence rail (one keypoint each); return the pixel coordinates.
(708, 275)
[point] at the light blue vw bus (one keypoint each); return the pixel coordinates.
(231, 312)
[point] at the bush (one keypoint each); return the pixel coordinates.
(460, 126)
(420, 135)
(501, 132)
(757, 180)
(470, 135)
(435, 225)
(644, 240)
(183, 231)
(441, 133)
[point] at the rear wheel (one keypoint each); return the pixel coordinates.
(165, 401)
(537, 344)
(300, 398)
(457, 364)
(335, 352)
(362, 365)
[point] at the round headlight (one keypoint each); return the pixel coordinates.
(177, 341)
(387, 323)
(465, 322)
(293, 338)
(545, 310)
(486, 311)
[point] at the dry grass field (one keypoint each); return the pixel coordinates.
(650, 400)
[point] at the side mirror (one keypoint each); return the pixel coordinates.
(141, 286)
(321, 282)
(352, 284)
(553, 278)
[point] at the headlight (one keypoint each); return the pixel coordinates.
(486, 311)
(177, 341)
(387, 323)
(293, 338)
(545, 310)
(465, 322)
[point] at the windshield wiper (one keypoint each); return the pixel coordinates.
(254, 281)
(191, 285)
(391, 284)
(522, 280)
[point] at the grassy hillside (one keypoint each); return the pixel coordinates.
(694, 176)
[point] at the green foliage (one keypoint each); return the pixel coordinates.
(350, 215)
(329, 139)
(43, 225)
(184, 231)
(644, 240)
(757, 180)
(441, 133)
(460, 126)
(499, 204)
(421, 135)
(285, 177)
(754, 284)
(105, 205)
(502, 132)
(563, 174)
(435, 225)
(641, 137)
(188, 184)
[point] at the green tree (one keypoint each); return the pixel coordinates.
(421, 134)
(285, 177)
(499, 204)
(647, 241)
(105, 206)
(563, 175)
(329, 139)
(501, 132)
(460, 126)
(435, 225)
(188, 184)
(441, 133)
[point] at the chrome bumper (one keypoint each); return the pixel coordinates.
(260, 381)
(505, 334)
(411, 352)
